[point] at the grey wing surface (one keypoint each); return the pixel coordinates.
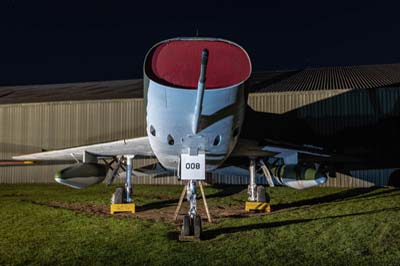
(289, 152)
(140, 147)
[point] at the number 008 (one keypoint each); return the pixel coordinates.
(192, 165)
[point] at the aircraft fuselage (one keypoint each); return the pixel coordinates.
(171, 92)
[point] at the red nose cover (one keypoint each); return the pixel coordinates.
(178, 63)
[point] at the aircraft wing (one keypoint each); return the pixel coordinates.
(271, 148)
(289, 152)
(250, 148)
(140, 147)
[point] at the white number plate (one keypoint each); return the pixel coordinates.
(193, 167)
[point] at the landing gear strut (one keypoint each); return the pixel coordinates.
(192, 166)
(128, 183)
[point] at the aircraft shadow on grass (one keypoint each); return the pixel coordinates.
(355, 193)
(225, 191)
(211, 234)
(351, 194)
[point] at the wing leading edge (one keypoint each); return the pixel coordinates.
(140, 147)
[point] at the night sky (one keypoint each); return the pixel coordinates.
(56, 42)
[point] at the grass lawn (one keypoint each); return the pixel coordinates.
(56, 225)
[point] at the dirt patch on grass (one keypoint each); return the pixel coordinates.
(157, 213)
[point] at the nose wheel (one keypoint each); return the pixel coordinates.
(191, 228)
(192, 225)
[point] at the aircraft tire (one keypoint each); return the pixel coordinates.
(118, 197)
(197, 228)
(186, 226)
(261, 194)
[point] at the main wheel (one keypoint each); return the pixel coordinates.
(197, 226)
(118, 196)
(261, 194)
(186, 226)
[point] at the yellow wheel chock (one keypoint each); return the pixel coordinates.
(258, 206)
(125, 207)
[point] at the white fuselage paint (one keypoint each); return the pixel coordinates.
(170, 112)
(171, 115)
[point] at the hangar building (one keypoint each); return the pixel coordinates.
(34, 118)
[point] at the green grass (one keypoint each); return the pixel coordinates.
(319, 226)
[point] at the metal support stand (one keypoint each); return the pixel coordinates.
(180, 203)
(203, 195)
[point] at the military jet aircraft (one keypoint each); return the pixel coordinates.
(198, 121)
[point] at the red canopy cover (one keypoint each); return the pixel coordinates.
(178, 62)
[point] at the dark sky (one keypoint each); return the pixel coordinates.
(56, 41)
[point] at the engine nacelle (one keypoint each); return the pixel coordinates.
(298, 176)
(81, 175)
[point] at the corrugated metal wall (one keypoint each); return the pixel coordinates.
(365, 107)
(27, 128)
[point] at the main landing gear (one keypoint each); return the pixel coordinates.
(258, 199)
(121, 200)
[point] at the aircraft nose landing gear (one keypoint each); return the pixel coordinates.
(192, 168)
(191, 226)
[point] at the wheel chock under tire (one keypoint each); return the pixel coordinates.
(258, 206)
(124, 207)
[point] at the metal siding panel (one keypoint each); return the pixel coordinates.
(353, 103)
(29, 127)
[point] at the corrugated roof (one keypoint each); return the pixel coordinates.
(336, 78)
(116, 89)
(327, 78)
